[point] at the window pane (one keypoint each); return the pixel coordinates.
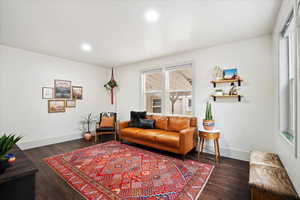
(179, 103)
(153, 81)
(180, 79)
(153, 102)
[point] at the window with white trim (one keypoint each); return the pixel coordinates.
(287, 75)
(168, 90)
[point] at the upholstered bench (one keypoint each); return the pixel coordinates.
(268, 179)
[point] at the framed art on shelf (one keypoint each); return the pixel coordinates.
(55, 106)
(62, 89)
(230, 74)
(47, 93)
(77, 92)
(70, 103)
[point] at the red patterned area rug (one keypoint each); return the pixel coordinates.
(118, 171)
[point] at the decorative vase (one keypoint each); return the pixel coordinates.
(208, 124)
(3, 165)
(87, 136)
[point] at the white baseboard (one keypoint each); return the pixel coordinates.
(48, 141)
(230, 153)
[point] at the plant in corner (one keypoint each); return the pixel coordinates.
(6, 143)
(208, 121)
(88, 134)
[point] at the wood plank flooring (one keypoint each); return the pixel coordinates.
(229, 180)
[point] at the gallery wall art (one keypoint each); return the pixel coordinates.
(63, 95)
(63, 89)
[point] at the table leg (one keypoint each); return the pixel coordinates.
(198, 146)
(216, 151)
(202, 144)
(218, 148)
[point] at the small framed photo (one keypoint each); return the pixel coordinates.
(77, 92)
(70, 103)
(230, 74)
(47, 93)
(55, 106)
(62, 89)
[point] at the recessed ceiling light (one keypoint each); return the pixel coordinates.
(152, 16)
(86, 47)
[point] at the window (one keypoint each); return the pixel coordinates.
(168, 90)
(287, 73)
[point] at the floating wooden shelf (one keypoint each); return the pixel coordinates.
(227, 96)
(227, 81)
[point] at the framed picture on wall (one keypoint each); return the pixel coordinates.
(62, 89)
(77, 92)
(70, 103)
(47, 93)
(55, 106)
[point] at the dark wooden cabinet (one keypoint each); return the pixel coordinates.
(18, 181)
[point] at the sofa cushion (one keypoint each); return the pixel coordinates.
(147, 134)
(131, 131)
(178, 123)
(135, 118)
(168, 138)
(147, 123)
(161, 122)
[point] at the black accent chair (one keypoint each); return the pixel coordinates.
(106, 130)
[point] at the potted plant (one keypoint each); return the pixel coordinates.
(88, 135)
(6, 143)
(208, 121)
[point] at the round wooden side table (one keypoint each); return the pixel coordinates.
(209, 135)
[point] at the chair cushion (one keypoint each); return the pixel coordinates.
(168, 138)
(105, 129)
(178, 123)
(161, 122)
(131, 131)
(107, 122)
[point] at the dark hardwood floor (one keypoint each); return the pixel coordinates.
(229, 179)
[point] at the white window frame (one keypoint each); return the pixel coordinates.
(290, 38)
(165, 86)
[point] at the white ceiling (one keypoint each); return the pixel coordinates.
(119, 33)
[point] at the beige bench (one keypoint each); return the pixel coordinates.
(268, 179)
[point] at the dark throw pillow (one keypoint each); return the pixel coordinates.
(147, 123)
(135, 118)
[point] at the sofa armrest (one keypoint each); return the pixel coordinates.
(187, 139)
(123, 124)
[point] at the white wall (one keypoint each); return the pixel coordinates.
(245, 126)
(286, 151)
(22, 109)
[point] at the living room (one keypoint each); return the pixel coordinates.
(206, 90)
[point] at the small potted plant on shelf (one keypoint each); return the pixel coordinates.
(6, 144)
(88, 135)
(208, 121)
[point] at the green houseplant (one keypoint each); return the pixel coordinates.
(6, 144)
(208, 121)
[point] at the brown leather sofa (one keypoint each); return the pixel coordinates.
(174, 134)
